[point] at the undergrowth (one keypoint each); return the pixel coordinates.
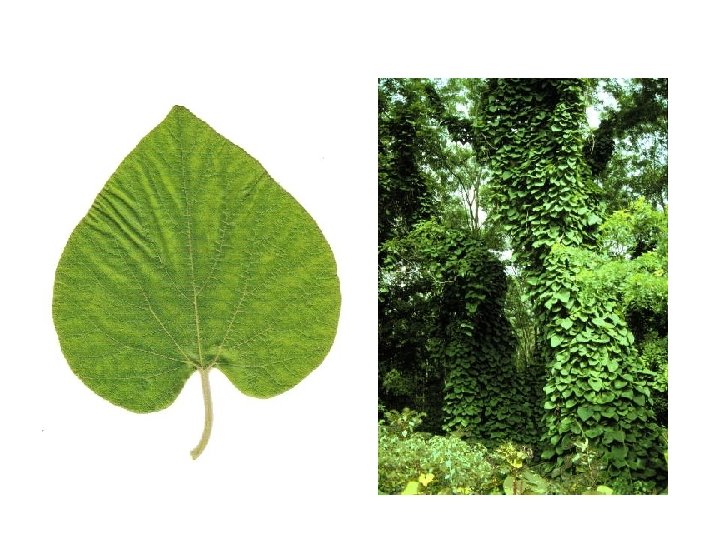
(411, 462)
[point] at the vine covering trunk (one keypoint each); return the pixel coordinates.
(596, 392)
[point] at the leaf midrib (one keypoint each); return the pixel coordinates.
(183, 175)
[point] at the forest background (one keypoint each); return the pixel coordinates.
(523, 285)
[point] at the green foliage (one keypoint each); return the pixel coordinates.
(635, 230)
(457, 467)
(409, 142)
(582, 304)
(416, 464)
(526, 482)
(543, 194)
(520, 314)
(403, 423)
(541, 191)
(459, 287)
(511, 461)
(512, 458)
(583, 471)
(413, 164)
(192, 258)
(597, 386)
(632, 269)
(417, 487)
(628, 150)
(654, 359)
(393, 382)
(420, 464)
(636, 271)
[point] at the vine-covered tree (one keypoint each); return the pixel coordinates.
(523, 265)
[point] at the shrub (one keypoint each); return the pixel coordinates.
(441, 465)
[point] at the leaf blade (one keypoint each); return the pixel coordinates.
(191, 257)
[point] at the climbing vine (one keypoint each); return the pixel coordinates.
(596, 389)
(484, 395)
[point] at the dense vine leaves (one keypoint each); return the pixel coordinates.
(444, 334)
(192, 258)
(563, 347)
(592, 363)
(458, 289)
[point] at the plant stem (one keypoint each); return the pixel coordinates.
(208, 413)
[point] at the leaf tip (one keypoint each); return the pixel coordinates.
(180, 110)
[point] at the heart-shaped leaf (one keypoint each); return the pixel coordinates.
(584, 413)
(192, 258)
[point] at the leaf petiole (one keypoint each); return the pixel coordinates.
(204, 379)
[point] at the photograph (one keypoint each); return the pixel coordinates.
(523, 286)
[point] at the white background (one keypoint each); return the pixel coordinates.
(294, 84)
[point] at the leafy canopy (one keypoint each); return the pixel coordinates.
(192, 257)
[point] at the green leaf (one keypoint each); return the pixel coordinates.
(564, 296)
(412, 488)
(192, 258)
(555, 340)
(593, 219)
(604, 490)
(595, 384)
(599, 321)
(565, 323)
(605, 397)
(619, 452)
(511, 486)
(584, 413)
(536, 483)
